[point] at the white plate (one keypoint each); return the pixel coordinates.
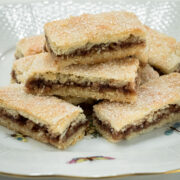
(155, 152)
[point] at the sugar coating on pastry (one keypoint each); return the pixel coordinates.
(155, 98)
(52, 117)
(122, 71)
(94, 38)
(115, 78)
(29, 46)
(162, 51)
(75, 32)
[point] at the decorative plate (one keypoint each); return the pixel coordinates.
(152, 153)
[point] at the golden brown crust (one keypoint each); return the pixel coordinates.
(77, 100)
(147, 73)
(42, 64)
(30, 46)
(77, 31)
(169, 119)
(55, 113)
(152, 96)
(99, 58)
(111, 95)
(115, 73)
(39, 137)
(162, 51)
(65, 36)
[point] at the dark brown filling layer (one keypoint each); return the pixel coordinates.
(44, 48)
(158, 116)
(13, 76)
(100, 48)
(22, 121)
(39, 84)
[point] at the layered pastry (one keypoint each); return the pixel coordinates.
(158, 103)
(77, 100)
(113, 80)
(95, 38)
(30, 46)
(145, 73)
(162, 51)
(35, 45)
(46, 119)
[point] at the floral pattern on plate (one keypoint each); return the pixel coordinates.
(91, 158)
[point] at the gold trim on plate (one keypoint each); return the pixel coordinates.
(82, 177)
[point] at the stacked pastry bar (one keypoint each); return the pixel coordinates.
(162, 51)
(113, 80)
(158, 103)
(30, 46)
(88, 58)
(90, 39)
(46, 119)
(92, 58)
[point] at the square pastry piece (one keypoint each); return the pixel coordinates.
(30, 46)
(113, 80)
(158, 103)
(94, 38)
(162, 51)
(46, 119)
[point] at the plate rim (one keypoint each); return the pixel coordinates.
(88, 177)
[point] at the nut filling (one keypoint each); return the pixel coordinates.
(100, 48)
(156, 118)
(39, 85)
(13, 76)
(24, 122)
